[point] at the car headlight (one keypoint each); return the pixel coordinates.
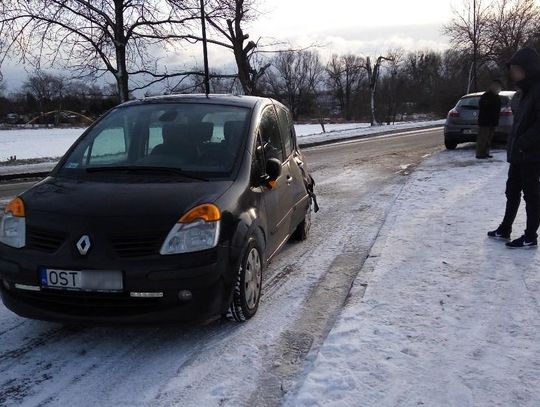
(196, 231)
(13, 224)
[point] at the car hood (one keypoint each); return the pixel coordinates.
(87, 198)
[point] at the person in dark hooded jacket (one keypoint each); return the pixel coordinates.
(524, 150)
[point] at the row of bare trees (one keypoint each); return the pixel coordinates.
(490, 31)
(127, 39)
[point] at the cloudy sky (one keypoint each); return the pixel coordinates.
(359, 26)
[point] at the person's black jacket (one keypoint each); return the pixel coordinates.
(490, 109)
(524, 142)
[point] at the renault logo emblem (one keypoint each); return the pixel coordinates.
(84, 245)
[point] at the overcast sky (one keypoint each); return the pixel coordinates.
(359, 26)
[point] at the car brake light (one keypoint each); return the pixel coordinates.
(453, 113)
(507, 112)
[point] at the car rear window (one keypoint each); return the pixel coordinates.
(473, 102)
(469, 102)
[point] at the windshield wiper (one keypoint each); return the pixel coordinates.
(146, 169)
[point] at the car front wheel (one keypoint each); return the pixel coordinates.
(248, 285)
(450, 145)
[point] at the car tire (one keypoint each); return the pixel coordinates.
(248, 284)
(301, 232)
(450, 145)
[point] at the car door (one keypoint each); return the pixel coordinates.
(294, 160)
(278, 199)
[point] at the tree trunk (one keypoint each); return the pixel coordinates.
(121, 74)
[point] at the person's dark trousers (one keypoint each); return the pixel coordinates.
(523, 178)
(483, 143)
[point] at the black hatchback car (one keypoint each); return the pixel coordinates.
(166, 209)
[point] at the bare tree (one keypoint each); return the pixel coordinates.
(394, 83)
(468, 31)
(373, 73)
(94, 37)
(46, 88)
(345, 73)
(227, 23)
(511, 24)
(295, 76)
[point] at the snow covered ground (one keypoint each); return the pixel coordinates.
(449, 317)
(53, 143)
(36, 143)
(309, 133)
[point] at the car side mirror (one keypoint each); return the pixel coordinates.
(273, 169)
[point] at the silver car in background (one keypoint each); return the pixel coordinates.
(462, 121)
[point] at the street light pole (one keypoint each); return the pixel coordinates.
(475, 48)
(205, 51)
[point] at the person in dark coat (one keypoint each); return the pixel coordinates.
(488, 119)
(524, 150)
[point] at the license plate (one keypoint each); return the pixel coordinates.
(86, 280)
(467, 131)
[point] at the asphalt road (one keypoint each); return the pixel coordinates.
(222, 363)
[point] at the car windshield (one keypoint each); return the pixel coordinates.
(193, 139)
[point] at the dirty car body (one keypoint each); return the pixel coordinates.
(166, 209)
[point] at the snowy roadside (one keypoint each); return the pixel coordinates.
(355, 131)
(38, 150)
(449, 317)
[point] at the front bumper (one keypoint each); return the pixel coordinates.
(207, 275)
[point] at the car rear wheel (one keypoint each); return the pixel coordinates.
(248, 285)
(302, 231)
(450, 145)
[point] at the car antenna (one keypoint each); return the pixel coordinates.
(205, 51)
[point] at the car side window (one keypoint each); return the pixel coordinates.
(287, 129)
(270, 134)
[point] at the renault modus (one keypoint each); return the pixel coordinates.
(166, 209)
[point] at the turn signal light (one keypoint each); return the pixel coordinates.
(206, 212)
(16, 208)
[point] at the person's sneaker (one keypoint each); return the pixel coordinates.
(523, 243)
(499, 234)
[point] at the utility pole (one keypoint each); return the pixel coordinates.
(205, 51)
(475, 48)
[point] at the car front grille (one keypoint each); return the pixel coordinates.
(146, 244)
(44, 240)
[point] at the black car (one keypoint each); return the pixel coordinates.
(166, 209)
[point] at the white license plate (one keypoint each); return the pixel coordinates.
(467, 131)
(86, 280)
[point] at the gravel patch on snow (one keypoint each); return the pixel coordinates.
(449, 318)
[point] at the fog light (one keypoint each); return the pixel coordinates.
(146, 295)
(185, 295)
(27, 287)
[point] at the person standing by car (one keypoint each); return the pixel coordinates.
(524, 150)
(488, 119)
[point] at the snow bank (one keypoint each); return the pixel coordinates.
(449, 318)
(341, 132)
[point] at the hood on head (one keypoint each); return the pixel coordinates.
(528, 59)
